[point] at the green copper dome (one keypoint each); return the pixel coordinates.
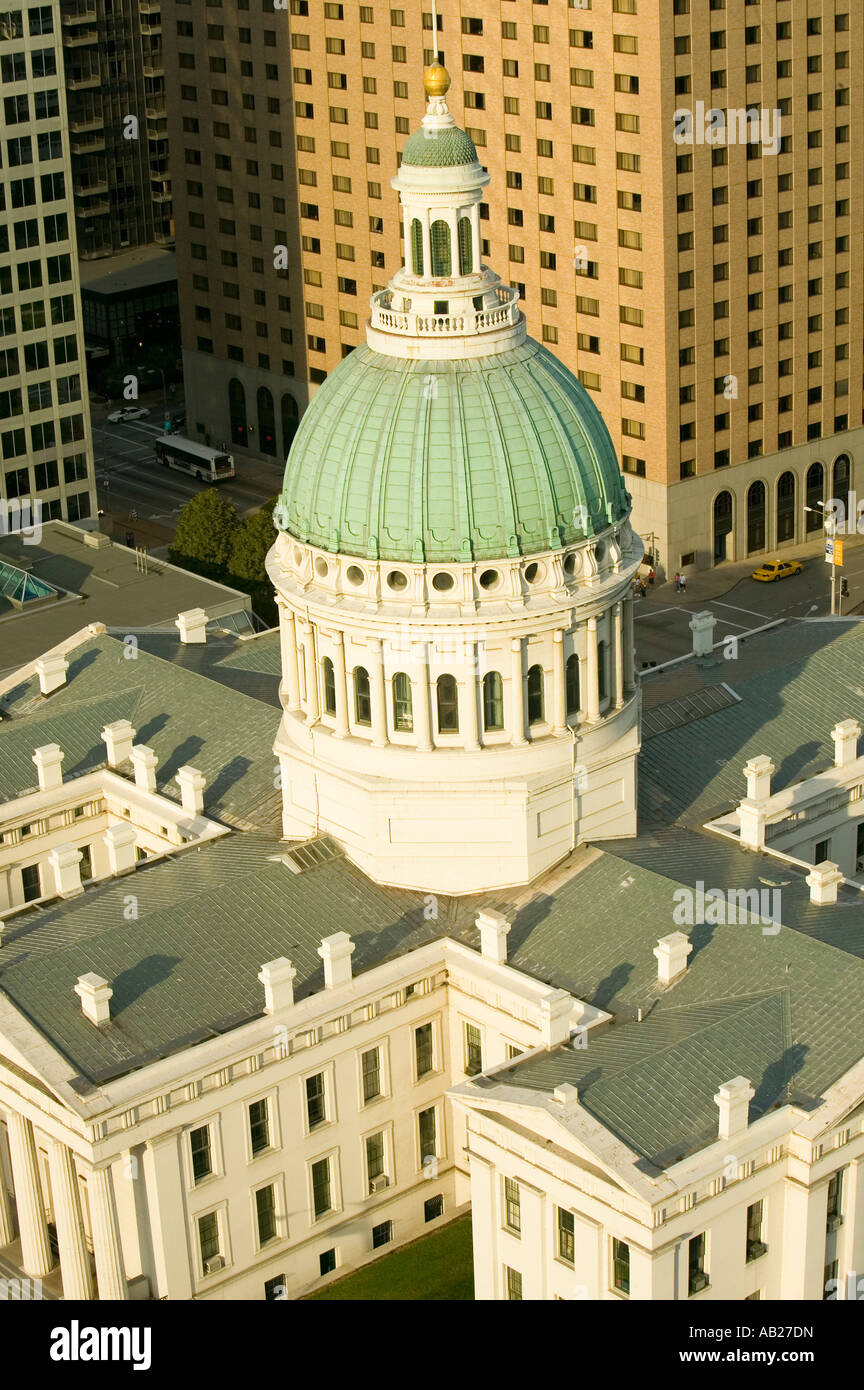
(470, 459)
(438, 149)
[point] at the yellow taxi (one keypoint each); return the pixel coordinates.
(776, 569)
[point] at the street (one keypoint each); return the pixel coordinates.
(142, 496)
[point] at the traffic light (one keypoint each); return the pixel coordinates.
(844, 588)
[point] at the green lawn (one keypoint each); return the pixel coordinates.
(437, 1266)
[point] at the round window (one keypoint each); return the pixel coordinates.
(489, 579)
(570, 563)
(397, 580)
(599, 552)
(533, 572)
(354, 574)
(442, 582)
(321, 568)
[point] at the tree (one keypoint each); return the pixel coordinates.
(246, 566)
(205, 531)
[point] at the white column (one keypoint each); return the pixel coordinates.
(618, 652)
(468, 708)
(629, 655)
(427, 242)
(110, 1274)
(341, 685)
(475, 236)
(406, 226)
(311, 665)
(7, 1225)
(74, 1259)
(517, 693)
(592, 694)
(379, 695)
(290, 685)
(452, 222)
(559, 688)
(32, 1226)
(420, 699)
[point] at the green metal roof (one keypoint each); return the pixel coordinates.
(438, 149)
(460, 460)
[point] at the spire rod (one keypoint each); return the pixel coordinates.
(435, 50)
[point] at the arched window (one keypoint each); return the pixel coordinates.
(786, 507)
(442, 261)
(602, 670)
(362, 696)
(448, 705)
(416, 246)
(493, 701)
(722, 526)
(329, 686)
(842, 479)
(466, 252)
(755, 517)
(815, 499)
(290, 418)
(266, 422)
(571, 681)
(237, 411)
(403, 714)
(535, 695)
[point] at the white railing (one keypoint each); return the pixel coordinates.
(413, 324)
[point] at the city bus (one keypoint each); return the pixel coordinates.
(212, 465)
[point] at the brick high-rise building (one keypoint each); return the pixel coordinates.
(45, 443)
(708, 293)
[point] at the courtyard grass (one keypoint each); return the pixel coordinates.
(438, 1267)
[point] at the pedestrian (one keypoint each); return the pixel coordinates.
(651, 576)
(683, 584)
(677, 581)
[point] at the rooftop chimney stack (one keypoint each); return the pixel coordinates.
(118, 739)
(65, 862)
(191, 783)
(192, 625)
(145, 762)
(846, 735)
(555, 1010)
(120, 841)
(702, 626)
(277, 977)
(823, 881)
(759, 772)
(733, 1101)
(336, 952)
(49, 766)
(95, 995)
(671, 953)
(494, 929)
(51, 671)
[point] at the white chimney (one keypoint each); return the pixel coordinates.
(823, 881)
(759, 772)
(118, 739)
(494, 929)
(671, 953)
(120, 841)
(555, 1010)
(846, 735)
(192, 625)
(51, 671)
(49, 766)
(65, 862)
(277, 977)
(191, 783)
(751, 819)
(702, 626)
(733, 1101)
(336, 952)
(95, 995)
(145, 762)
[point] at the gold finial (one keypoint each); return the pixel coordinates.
(436, 80)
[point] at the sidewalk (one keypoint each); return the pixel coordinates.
(709, 584)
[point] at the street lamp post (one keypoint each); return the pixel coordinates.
(830, 526)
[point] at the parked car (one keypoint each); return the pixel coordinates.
(129, 412)
(776, 569)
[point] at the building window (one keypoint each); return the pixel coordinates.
(362, 696)
(566, 1233)
(493, 701)
(697, 1277)
(831, 1272)
(416, 246)
(265, 1211)
(370, 1065)
(433, 1207)
(620, 1266)
(326, 1262)
(382, 1234)
(374, 1158)
(329, 686)
(439, 234)
(423, 1049)
(259, 1126)
(427, 1131)
(755, 1244)
(512, 1206)
(202, 1154)
(466, 252)
(316, 1100)
(822, 851)
(448, 705)
(473, 1050)
(602, 669)
(535, 695)
(322, 1193)
(274, 1289)
(571, 677)
(835, 1200)
(403, 715)
(30, 883)
(208, 1238)
(512, 1284)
